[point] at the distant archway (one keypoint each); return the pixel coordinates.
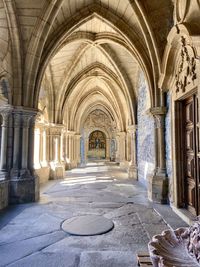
(97, 145)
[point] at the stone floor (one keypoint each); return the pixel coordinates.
(31, 235)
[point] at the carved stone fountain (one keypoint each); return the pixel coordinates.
(179, 248)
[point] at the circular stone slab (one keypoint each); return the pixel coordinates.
(87, 225)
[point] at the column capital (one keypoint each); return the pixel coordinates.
(158, 111)
(132, 128)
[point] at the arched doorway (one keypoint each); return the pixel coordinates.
(97, 145)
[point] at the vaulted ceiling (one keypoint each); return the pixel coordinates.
(86, 53)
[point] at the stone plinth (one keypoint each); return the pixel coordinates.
(132, 172)
(43, 174)
(158, 189)
(57, 171)
(24, 190)
(3, 194)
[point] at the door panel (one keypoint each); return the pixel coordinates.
(192, 154)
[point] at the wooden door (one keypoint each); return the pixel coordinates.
(192, 154)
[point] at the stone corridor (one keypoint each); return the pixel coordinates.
(31, 235)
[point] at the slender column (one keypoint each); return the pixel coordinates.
(108, 148)
(47, 146)
(4, 141)
(133, 163)
(117, 148)
(31, 143)
(16, 150)
(158, 182)
(25, 125)
(41, 145)
(44, 147)
(122, 146)
(70, 148)
(78, 141)
(159, 127)
(86, 142)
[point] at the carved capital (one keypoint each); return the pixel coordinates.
(132, 129)
(17, 120)
(5, 117)
(158, 111)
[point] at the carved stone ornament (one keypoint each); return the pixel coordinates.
(176, 248)
(98, 119)
(186, 72)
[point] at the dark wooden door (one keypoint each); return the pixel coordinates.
(192, 155)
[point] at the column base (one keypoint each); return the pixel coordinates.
(43, 174)
(56, 171)
(23, 190)
(132, 172)
(4, 184)
(158, 189)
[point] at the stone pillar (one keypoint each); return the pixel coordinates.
(132, 171)
(122, 136)
(4, 142)
(108, 148)
(3, 163)
(117, 148)
(23, 181)
(86, 143)
(158, 182)
(78, 149)
(57, 167)
(70, 150)
(25, 143)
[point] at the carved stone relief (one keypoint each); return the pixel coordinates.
(99, 119)
(186, 71)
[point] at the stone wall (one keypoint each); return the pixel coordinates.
(145, 133)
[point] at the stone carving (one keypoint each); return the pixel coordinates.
(176, 248)
(99, 119)
(186, 73)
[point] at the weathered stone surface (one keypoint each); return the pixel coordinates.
(107, 258)
(32, 235)
(3, 194)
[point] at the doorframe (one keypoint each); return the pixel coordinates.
(179, 149)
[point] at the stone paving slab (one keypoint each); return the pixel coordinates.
(32, 236)
(12, 252)
(108, 259)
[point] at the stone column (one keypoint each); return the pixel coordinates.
(122, 136)
(3, 164)
(86, 143)
(4, 142)
(24, 182)
(117, 148)
(25, 143)
(158, 182)
(108, 148)
(70, 149)
(78, 136)
(16, 144)
(132, 171)
(57, 167)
